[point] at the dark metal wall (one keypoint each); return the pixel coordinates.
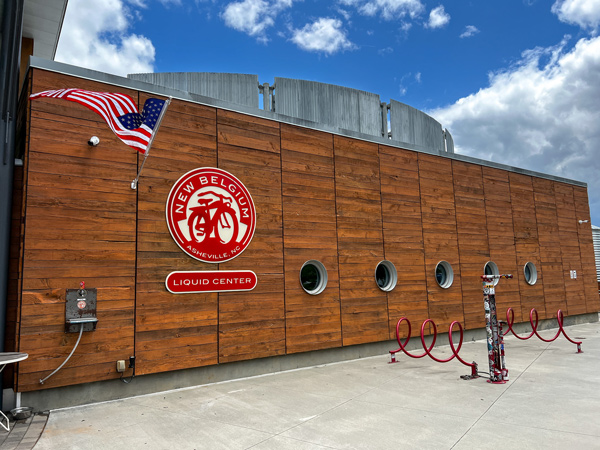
(10, 52)
(12, 22)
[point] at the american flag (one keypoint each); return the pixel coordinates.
(119, 111)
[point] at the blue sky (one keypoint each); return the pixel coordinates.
(515, 81)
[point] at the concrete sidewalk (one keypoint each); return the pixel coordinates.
(552, 401)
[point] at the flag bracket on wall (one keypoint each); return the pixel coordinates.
(158, 121)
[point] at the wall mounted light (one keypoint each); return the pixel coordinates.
(94, 141)
(582, 221)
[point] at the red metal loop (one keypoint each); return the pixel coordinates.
(403, 346)
(510, 321)
(559, 319)
(534, 327)
(428, 349)
(510, 317)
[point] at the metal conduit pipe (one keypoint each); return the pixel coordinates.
(10, 55)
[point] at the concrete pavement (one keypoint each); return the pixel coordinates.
(552, 401)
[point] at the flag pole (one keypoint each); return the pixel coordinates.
(160, 118)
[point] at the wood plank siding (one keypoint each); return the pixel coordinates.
(309, 219)
(403, 236)
(172, 331)
(360, 241)
(252, 324)
(345, 202)
(80, 224)
(471, 221)
(526, 244)
(501, 239)
(440, 237)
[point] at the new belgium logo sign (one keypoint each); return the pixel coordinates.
(211, 215)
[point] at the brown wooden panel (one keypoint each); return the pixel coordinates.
(252, 324)
(501, 239)
(471, 224)
(358, 204)
(526, 244)
(68, 182)
(440, 238)
(549, 242)
(172, 331)
(403, 236)
(569, 246)
(586, 249)
(312, 321)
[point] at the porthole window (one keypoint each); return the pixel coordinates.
(386, 276)
(444, 275)
(492, 269)
(313, 277)
(530, 273)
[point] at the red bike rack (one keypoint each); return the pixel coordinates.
(510, 319)
(427, 349)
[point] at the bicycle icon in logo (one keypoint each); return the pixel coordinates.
(221, 225)
(210, 215)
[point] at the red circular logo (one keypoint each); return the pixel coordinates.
(211, 215)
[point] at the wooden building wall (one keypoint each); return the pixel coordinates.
(172, 331)
(500, 226)
(403, 236)
(345, 202)
(80, 224)
(471, 223)
(440, 237)
(526, 242)
(310, 232)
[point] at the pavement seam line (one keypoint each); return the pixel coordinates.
(324, 412)
(501, 395)
(306, 421)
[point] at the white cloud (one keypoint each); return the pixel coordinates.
(345, 14)
(138, 3)
(324, 35)
(470, 30)
(387, 9)
(585, 13)
(248, 16)
(438, 17)
(168, 3)
(254, 17)
(95, 35)
(538, 116)
(407, 80)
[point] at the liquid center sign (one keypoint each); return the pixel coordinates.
(211, 216)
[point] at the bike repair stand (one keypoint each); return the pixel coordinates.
(495, 340)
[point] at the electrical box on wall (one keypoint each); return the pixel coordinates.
(80, 309)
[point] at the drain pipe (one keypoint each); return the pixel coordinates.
(10, 55)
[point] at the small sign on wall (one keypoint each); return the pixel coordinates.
(210, 281)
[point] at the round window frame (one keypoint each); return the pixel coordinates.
(321, 270)
(393, 275)
(534, 274)
(449, 274)
(495, 270)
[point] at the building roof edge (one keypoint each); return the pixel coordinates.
(116, 80)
